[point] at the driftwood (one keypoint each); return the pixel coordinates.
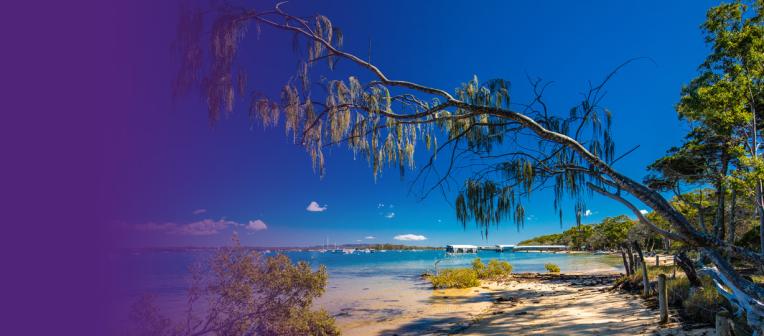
(685, 263)
(736, 290)
(723, 324)
(619, 283)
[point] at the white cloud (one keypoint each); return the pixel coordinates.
(314, 207)
(390, 215)
(151, 227)
(204, 227)
(369, 237)
(256, 225)
(588, 213)
(409, 237)
(199, 211)
(644, 212)
(380, 205)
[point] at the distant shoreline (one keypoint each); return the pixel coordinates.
(346, 246)
(280, 248)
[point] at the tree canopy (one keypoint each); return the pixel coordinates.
(610, 233)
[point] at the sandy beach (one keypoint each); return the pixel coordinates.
(527, 304)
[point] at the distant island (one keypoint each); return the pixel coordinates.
(606, 235)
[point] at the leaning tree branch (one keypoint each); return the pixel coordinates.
(650, 197)
(640, 216)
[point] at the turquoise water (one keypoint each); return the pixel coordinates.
(352, 277)
(167, 271)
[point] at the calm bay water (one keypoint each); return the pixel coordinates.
(354, 279)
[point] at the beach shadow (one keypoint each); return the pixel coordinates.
(567, 312)
(459, 299)
(430, 325)
(562, 309)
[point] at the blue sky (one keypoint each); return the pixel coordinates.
(166, 161)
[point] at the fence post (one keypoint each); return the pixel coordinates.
(632, 264)
(645, 279)
(657, 260)
(625, 262)
(663, 298)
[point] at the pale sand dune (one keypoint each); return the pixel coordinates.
(525, 307)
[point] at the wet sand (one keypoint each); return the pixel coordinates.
(527, 304)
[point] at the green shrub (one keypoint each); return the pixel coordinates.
(552, 268)
(478, 266)
(455, 278)
(496, 269)
(678, 290)
(703, 303)
(235, 280)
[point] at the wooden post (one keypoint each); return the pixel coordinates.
(631, 259)
(723, 323)
(663, 298)
(657, 260)
(645, 280)
(625, 262)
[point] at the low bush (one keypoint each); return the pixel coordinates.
(478, 266)
(496, 269)
(455, 278)
(552, 268)
(703, 303)
(678, 289)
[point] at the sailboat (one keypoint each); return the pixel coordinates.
(326, 242)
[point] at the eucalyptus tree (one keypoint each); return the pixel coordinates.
(508, 149)
(722, 103)
(703, 159)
